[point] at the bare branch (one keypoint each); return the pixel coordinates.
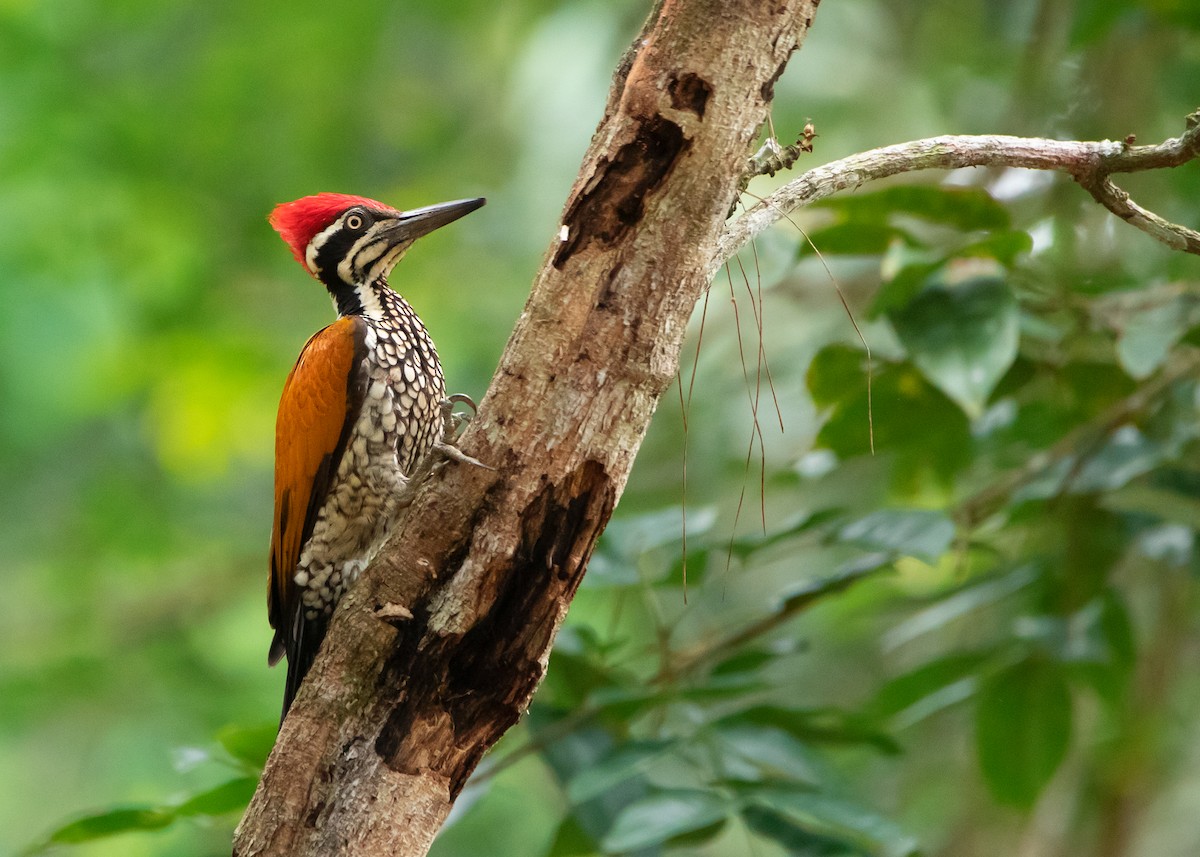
(1089, 163)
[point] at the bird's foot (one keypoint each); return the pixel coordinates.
(452, 422)
(442, 450)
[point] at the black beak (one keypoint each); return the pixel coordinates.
(411, 225)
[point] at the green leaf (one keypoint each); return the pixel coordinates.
(829, 817)
(695, 565)
(922, 533)
(249, 744)
(907, 690)
(912, 420)
(717, 687)
(1004, 247)
(664, 816)
(965, 208)
(625, 703)
(1148, 336)
(616, 562)
(905, 272)
(1022, 729)
(1112, 676)
(607, 570)
(746, 661)
(571, 840)
(796, 841)
(963, 337)
(574, 675)
(1125, 455)
(804, 595)
(1094, 20)
(633, 535)
(979, 594)
(624, 763)
(799, 525)
(231, 796)
(755, 752)
(833, 372)
(853, 239)
(113, 822)
(824, 725)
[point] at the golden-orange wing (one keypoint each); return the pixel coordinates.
(321, 401)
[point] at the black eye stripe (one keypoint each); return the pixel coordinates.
(358, 265)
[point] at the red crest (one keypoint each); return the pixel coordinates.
(297, 222)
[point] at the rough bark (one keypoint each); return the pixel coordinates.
(441, 645)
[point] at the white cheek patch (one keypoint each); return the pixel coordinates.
(366, 251)
(384, 266)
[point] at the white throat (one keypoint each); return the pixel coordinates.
(368, 296)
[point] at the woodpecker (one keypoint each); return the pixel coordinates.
(360, 408)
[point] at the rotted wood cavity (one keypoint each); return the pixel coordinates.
(615, 200)
(464, 683)
(689, 92)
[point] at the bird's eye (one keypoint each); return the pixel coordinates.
(355, 222)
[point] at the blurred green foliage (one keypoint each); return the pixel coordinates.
(980, 639)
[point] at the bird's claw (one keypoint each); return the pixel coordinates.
(463, 399)
(452, 423)
(455, 454)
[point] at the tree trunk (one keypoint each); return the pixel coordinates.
(440, 646)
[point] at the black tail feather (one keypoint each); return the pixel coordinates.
(305, 643)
